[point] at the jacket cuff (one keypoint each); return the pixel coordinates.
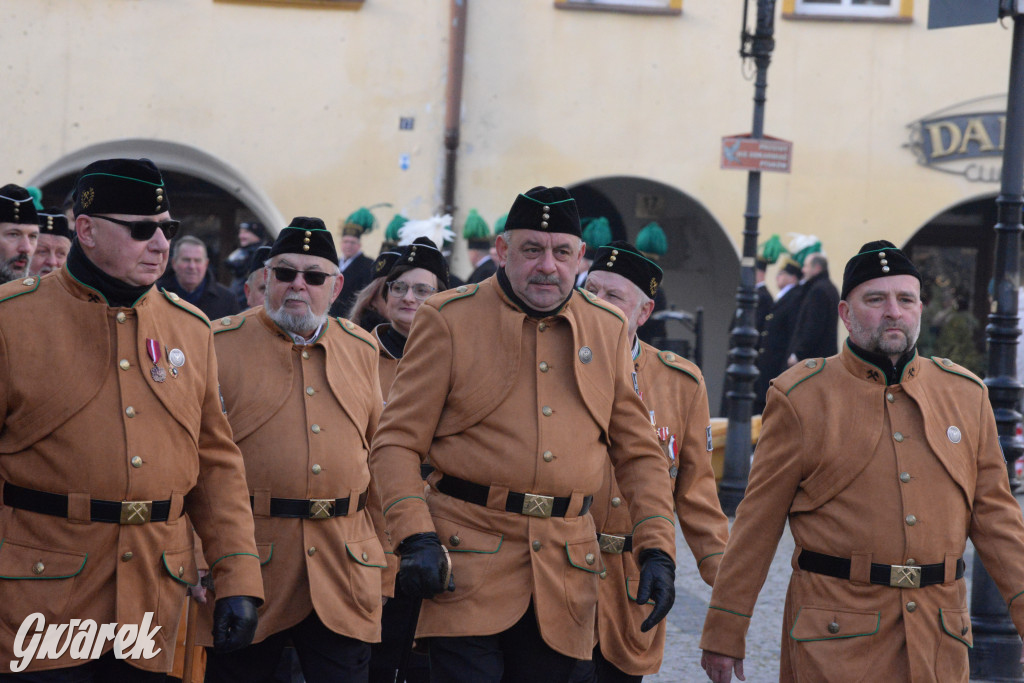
(238, 574)
(725, 632)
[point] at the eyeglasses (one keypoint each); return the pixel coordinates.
(313, 278)
(421, 291)
(143, 231)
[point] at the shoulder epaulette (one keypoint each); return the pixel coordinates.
(357, 332)
(228, 323)
(679, 363)
(460, 292)
(954, 369)
(592, 298)
(29, 284)
(176, 300)
(798, 374)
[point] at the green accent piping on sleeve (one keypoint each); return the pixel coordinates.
(31, 288)
(501, 542)
(878, 625)
(822, 367)
(654, 517)
(229, 326)
(187, 310)
(163, 558)
(223, 557)
(44, 578)
(938, 362)
(722, 609)
(593, 300)
(345, 325)
(400, 500)
(475, 287)
(675, 367)
(707, 556)
(948, 632)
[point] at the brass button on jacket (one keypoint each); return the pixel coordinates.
(536, 545)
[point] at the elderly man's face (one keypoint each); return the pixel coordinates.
(619, 291)
(189, 265)
(298, 306)
(111, 247)
(17, 244)
(541, 266)
(51, 253)
(883, 315)
(256, 288)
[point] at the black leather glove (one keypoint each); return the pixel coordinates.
(657, 583)
(425, 569)
(234, 622)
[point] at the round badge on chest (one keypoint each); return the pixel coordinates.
(953, 433)
(586, 355)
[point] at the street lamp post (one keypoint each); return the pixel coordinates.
(741, 371)
(997, 647)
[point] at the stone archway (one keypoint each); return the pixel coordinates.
(701, 267)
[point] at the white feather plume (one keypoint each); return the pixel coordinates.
(435, 228)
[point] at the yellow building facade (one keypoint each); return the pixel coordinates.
(276, 109)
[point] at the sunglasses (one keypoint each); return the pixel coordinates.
(420, 291)
(143, 231)
(314, 278)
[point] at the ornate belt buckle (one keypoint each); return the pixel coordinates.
(321, 508)
(538, 506)
(136, 511)
(611, 544)
(904, 576)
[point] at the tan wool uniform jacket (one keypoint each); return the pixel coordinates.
(303, 417)
(894, 475)
(500, 399)
(673, 391)
(82, 415)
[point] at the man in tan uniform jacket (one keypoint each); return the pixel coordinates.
(673, 391)
(303, 398)
(884, 463)
(518, 389)
(111, 431)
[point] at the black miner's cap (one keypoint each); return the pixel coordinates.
(128, 186)
(547, 209)
(16, 205)
(876, 259)
(423, 253)
(52, 221)
(622, 258)
(306, 236)
(259, 257)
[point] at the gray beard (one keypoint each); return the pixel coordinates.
(8, 273)
(295, 323)
(888, 348)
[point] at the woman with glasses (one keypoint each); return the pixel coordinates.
(420, 272)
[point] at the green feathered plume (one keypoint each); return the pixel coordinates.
(499, 225)
(475, 228)
(651, 240)
(37, 196)
(391, 232)
(802, 246)
(772, 249)
(361, 220)
(597, 232)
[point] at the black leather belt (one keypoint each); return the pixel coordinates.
(110, 511)
(894, 575)
(532, 504)
(616, 545)
(313, 508)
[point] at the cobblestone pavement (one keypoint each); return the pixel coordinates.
(682, 641)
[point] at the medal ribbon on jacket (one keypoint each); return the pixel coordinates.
(153, 350)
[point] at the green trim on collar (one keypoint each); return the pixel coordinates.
(908, 365)
(661, 357)
(176, 300)
(228, 323)
(353, 330)
(865, 360)
(591, 298)
(33, 287)
(820, 368)
(941, 363)
(462, 292)
(92, 289)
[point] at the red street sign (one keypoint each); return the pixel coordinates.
(744, 153)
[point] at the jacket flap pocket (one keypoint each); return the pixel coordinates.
(632, 584)
(822, 623)
(957, 623)
(265, 551)
(367, 553)
(181, 566)
(585, 555)
(459, 538)
(19, 561)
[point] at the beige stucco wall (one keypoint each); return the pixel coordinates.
(305, 103)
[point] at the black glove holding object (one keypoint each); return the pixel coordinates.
(234, 622)
(657, 583)
(425, 569)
